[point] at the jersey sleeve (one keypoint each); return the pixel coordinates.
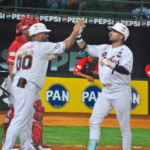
(11, 53)
(94, 50)
(53, 48)
(96, 67)
(80, 65)
(127, 61)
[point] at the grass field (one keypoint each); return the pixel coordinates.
(54, 135)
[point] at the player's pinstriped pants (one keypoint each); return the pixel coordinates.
(23, 100)
(120, 100)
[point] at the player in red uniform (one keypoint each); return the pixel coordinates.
(37, 125)
(87, 67)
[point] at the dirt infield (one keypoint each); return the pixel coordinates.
(71, 147)
(65, 119)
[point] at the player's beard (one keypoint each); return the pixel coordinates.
(44, 39)
(113, 40)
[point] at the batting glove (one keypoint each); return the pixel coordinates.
(81, 28)
(105, 62)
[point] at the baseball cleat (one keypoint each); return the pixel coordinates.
(15, 147)
(92, 145)
(44, 147)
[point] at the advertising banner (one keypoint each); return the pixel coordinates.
(73, 95)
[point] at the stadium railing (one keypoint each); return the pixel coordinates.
(120, 9)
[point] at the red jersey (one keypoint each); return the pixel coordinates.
(85, 66)
(18, 42)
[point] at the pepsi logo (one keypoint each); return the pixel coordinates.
(117, 21)
(90, 95)
(135, 98)
(57, 96)
(64, 19)
(91, 21)
(143, 23)
(8, 16)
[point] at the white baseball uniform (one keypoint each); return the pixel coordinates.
(116, 92)
(31, 63)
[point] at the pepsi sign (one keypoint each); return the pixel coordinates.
(143, 23)
(64, 19)
(135, 98)
(8, 16)
(91, 21)
(90, 95)
(57, 96)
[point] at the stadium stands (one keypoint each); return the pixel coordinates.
(94, 8)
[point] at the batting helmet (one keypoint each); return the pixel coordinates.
(119, 27)
(25, 23)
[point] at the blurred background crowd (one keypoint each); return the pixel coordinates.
(100, 6)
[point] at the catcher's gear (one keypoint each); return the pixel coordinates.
(39, 107)
(8, 119)
(25, 23)
(37, 129)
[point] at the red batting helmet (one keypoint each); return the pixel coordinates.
(25, 23)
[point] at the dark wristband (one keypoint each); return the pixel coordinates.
(121, 70)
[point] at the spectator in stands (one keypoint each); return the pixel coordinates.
(143, 10)
(56, 4)
(87, 67)
(74, 4)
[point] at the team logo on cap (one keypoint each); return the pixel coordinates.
(57, 96)
(143, 23)
(135, 98)
(90, 95)
(90, 20)
(64, 19)
(123, 29)
(117, 21)
(8, 16)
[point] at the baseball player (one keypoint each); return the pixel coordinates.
(30, 69)
(115, 66)
(87, 67)
(37, 126)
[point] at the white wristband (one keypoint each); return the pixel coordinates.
(79, 38)
(110, 64)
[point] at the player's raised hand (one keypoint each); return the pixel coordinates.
(79, 26)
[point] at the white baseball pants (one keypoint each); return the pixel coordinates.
(120, 100)
(23, 100)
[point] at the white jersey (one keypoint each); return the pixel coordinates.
(121, 56)
(32, 59)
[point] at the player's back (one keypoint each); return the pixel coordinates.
(31, 63)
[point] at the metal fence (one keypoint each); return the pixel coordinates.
(127, 9)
